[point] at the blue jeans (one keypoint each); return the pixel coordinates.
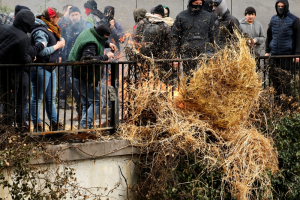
(88, 107)
(37, 96)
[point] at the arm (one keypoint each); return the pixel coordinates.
(39, 37)
(138, 32)
(168, 41)
(22, 48)
(91, 50)
(268, 40)
(296, 27)
(119, 30)
(261, 38)
(177, 34)
(211, 34)
(33, 51)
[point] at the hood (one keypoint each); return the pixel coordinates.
(166, 7)
(24, 20)
(18, 8)
(286, 8)
(169, 21)
(243, 21)
(139, 14)
(222, 8)
(153, 19)
(109, 11)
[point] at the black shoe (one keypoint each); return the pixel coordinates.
(39, 127)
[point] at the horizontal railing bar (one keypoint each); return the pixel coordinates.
(279, 56)
(64, 64)
(73, 131)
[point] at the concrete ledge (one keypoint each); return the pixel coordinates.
(89, 150)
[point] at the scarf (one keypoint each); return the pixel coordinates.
(55, 29)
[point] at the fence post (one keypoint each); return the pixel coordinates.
(115, 105)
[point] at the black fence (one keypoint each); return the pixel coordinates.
(98, 92)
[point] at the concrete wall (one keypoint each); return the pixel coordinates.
(101, 168)
(124, 8)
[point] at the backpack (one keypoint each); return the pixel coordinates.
(152, 36)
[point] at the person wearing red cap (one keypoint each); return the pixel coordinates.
(95, 16)
(46, 30)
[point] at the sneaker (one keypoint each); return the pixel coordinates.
(62, 106)
(57, 126)
(76, 118)
(39, 127)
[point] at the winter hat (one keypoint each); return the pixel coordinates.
(139, 14)
(250, 10)
(51, 12)
(109, 11)
(103, 30)
(221, 7)
(74, 9)
(91, 4)
(159, 10)
(19, 7)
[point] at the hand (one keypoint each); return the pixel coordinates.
(267, 54)
(113, 47)
(110, 55)
(59, 60)
(175, 65)
(112, 23)
(297, 60)
(34, 59)
(44, 43)
(254, 41)
(59, 45)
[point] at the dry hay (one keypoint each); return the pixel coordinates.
(210, 118)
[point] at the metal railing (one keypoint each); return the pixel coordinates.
(109, 92)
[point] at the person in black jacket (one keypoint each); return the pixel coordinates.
(14, 44)
(283, 38)
(193, 33)
(225, 23)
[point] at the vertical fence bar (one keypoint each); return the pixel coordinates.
(122, 93)
(72, 109)
(106, 95)
(29, 99)
(51, 118)
(37, 99)
(22, 102)
(94, 90)
(15, 97)
(66, 83)
(115, 104)
(58, 91)
(100, 95)
(80, 96)
(86, 98)
(44, 101)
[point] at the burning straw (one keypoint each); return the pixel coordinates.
(210, 119)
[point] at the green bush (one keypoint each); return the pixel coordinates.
(286, 184)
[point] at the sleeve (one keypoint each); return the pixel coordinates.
(39, 37)
(261, 38)
(91, 50)
(23, 49)
(269, 39)
(296, 27)
(34, 50)
(119, 31)
(138, 32)
(107, 44)
(235, 25)
(211, 34)
(168, 41)
(177, 35)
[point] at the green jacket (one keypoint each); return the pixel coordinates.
(87, 36)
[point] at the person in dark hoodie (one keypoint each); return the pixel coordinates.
(46, 30)
(22, 94)
(14, 44)
(225, 23)
(193, 33)
(283, 38)
(90, 44)
(95, 16)
(138, 15)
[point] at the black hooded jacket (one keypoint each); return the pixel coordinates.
(14, 41)
(192, 32)
(226, 24)
(283, 34)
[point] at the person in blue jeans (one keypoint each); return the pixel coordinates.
(90, 44)
(46, 30)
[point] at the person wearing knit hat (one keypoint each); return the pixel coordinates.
(168, 20)
(159, 10)
(95, 16)
(46, 30)
(253, 29)
(90, 45)
(225, 23)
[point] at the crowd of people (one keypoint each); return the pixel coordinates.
(204, 28)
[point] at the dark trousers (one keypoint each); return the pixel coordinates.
(22, 95)
(8, 93)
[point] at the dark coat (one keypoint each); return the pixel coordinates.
(14, 41)
(283, 35)
(225, 26)
(193, 32)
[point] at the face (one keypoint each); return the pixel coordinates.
(166, 12)
(75, 17)
(106, 36)
(250, 17)
(280, 5)
(54, 20)
(197, 2)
